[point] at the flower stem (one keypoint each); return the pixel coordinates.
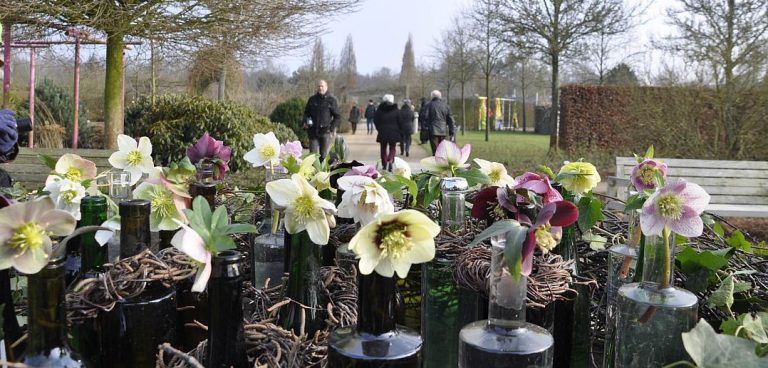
(275, 213)
(667, 269)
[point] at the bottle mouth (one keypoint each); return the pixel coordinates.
(135, 207)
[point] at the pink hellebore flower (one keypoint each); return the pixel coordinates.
(676, 206)
(190, 243)
(547, 229)
(540, 185)
(181, 197)
(291, 148)
(25, 230)
(644, 174)
(448, 157)
(208, 148)
(364, 170)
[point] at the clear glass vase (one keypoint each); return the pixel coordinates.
(269, 247)
(652, 314)
(505, 340)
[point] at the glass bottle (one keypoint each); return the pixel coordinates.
(505, 340)
(226, 338)
(303, 286)
(376, 341)
(94, 213)
(572, 339)
(11, 329)
(268, 248)
(138, 324)
(622, 261)
(440, 308)
(204, 185)
(47, 342)
(652, 314)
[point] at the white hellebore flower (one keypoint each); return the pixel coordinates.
(321, 180)
(188, 241)
(304, 209)
(133, 158)
(164, 214)
(73, 167)
(266, 150)
(395, 241)
(364, 199)
(66, 194)
(400, 167)
(496, 172)
(25, 230)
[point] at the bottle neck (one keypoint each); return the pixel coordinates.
(225, 332)
(134, 235)
(452, 210)
(205, 189)
(567, 246)
(376, 304)
(94, 213)
(507, 295)
(47, 315)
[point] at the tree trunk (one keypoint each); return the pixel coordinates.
(463, 110)
(113, 90)
(153, 72)
(487, 104)
(522, 90)
(554, 137)
(223, 83)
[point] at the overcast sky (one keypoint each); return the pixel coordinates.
(380, 29)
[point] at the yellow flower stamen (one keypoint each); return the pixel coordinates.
(393, 240)
(670, 206)
(134, 158)
(268, 151)
(73, 174)
(545, 239)
(648, 174)
(29, 236)
(68, 195)
(495, 175)
(304, 206)
(162, 204)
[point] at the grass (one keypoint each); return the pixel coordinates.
(518, 151)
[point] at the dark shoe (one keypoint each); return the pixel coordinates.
(406, 154)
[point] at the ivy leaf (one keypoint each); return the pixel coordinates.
(474, 176)
(738, 241)
(755, 328)
(723, 296)
(590, 212)
(718, 229)
(48, 161)
(710, 350)
(596, 242)
(634, 202)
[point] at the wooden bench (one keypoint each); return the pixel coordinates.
(28, 170)
(738, 188)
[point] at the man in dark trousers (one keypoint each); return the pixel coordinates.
(321, 117)
(370, 110)
(439, 120)
(354, 116)
(423, 127)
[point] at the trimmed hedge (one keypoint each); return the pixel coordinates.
(176, 122)
(290, 113)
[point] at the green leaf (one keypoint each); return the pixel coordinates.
(239, 229)
(496, 229)
(590, 212)
(48, 161)
(723, 296)
(649, 152)
(738, 241)
(596, 242)
(474, 176)
(433, 191)
(754, 328)
(710, 350)
(513, 249)
(740, 287)
(411, 185)
(392, 186)
(635, 202)
(718, 229)
(197, 223)
(220, 242)
(691, 260)
(200, 206)
(546, 170)
(220, 218)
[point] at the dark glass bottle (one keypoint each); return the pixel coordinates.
(47, 342)
(226, 338)
(138, 324)
(204, 185)
(303, 286)
(134, 227)
(571, 332)
(376, 341)
(94, 213)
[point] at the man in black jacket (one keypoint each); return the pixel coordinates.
(369, 111)
(439, 120)
(321, 117)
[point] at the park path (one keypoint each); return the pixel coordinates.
(364, 148)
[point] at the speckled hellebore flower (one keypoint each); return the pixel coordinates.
(291, 149)
(132, 157)
(496, 172)
(579, 177)
(163, 209)
(266, 150)
(208, 148)
(25, 230)
(547, 230)
(363, 199)
(677, 206)
(645, 174)
(540, 185)
(73, 167)
(448, 157)
(66, 194)
(304, 209)
(394, 241)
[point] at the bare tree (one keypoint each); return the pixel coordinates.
(554, 27)
(347, 78)
(731, 39)
(486, 33)
(408, 68)
(455, 51)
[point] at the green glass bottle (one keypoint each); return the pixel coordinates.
(303, 286)
(376, 341)
(134, 227)
(226, 338)
(47, 342)
(94, 213)
(11, 329)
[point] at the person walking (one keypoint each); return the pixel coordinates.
(406, 118)
(388, 122)
(354, 117)
(423, 127)
(321, 117)
(439, 119)
(370, 110)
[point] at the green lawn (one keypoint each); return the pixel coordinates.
(516, 150)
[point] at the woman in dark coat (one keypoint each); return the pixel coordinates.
(406, 116)
(388, 124)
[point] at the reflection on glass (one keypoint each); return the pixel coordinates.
(119, 186)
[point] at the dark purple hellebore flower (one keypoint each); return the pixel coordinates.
(211, 150)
